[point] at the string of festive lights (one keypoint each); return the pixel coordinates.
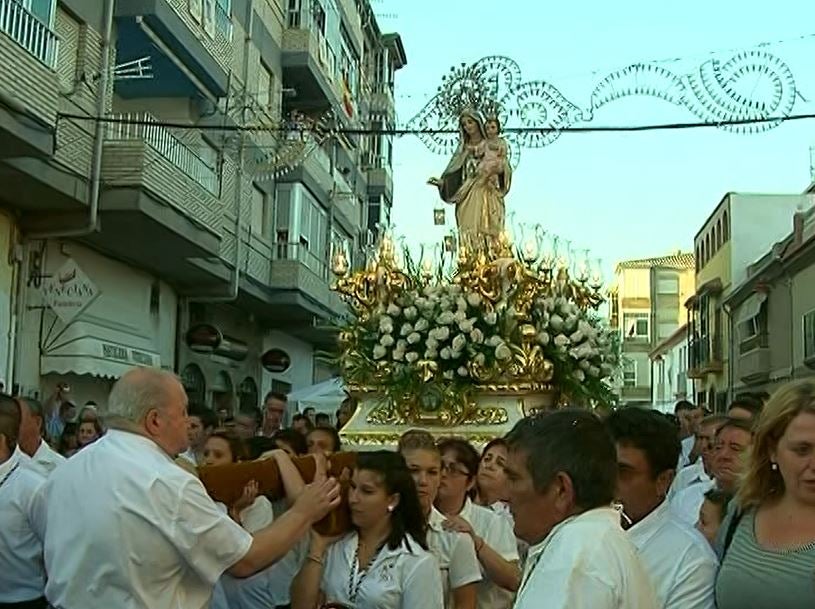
(417, 131)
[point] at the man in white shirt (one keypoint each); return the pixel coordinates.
(561, 472)
(142, 532)
(43, 458)
(680, 562)
(202, 423)
(701, 471)
(22, 575)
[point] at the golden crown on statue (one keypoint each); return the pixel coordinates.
(490, 317)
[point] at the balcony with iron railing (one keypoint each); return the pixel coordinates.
(145, 128)
(704, 356)
(29, 32)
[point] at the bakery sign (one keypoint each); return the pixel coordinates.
(69, 291)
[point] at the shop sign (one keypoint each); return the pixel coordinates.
(69, 291)
(127, 355)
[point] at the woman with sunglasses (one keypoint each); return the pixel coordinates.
(492, 534)
(383, 563)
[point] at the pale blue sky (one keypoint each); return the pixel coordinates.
(621, 195)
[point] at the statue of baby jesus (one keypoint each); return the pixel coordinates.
(493, 150)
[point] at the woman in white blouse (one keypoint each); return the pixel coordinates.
(492, 534)
(383, 563)
(454, 551)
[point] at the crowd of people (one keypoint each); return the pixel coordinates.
(630, 509)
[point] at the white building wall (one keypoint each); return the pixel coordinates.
(757, 223)
(6, 300)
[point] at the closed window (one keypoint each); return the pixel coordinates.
(809, 335)
(668, 285)
(258, 223)
(629, 373)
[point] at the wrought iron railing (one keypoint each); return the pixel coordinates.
(144, 127)
(29, 32)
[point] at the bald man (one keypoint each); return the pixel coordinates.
(123, 526)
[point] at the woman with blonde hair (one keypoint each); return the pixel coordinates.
(768, 546)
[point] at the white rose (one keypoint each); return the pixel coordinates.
(411, 357)
(494, 341)
(556, 323)
(502, 352)
(455, 354)
(398, 355)
(466, 325)
(579, 375)
(462, 371)
(430, 354)
(459, 342)
(386, 328)
(491, 318)
(570, 323)
(411, 313)
(460, 316)
(594, 371)
(480, 359)
(406, 329)
(414, 338)
(461, 304)
(393, 310)
(543, 338)
(379, 352)
(585, 327)
(446, 353)
(606, 369)
(449, 375)
(477, 336)
(401, 344)
(420, 302)
(442, 333)
(561, 340)
(576, 337)
(584, 365)
(386, 340)
(446, 318)
(474, 298)
(431, 343)
(422, 325)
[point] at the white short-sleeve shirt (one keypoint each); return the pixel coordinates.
(455, 554)
(141, 532)
(586, 562)
(680, 562)
(22, 574)
(496, 531)
(407, 577)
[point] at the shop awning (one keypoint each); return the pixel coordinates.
(88, 348)
(751, 307)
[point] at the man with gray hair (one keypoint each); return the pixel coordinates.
(561, 475)
(124, 526)
(44, 459)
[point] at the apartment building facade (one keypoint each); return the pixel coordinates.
(646, 307)
(204, 258)
(741, 229)
(773, 313)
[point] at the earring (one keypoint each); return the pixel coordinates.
(390, 508)
(774, 466)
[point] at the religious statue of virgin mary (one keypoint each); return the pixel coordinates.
(475, 183)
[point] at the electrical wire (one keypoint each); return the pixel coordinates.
(401, 132)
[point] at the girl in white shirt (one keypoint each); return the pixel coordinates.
(383, 563)
(492, 534)
(454, 551)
